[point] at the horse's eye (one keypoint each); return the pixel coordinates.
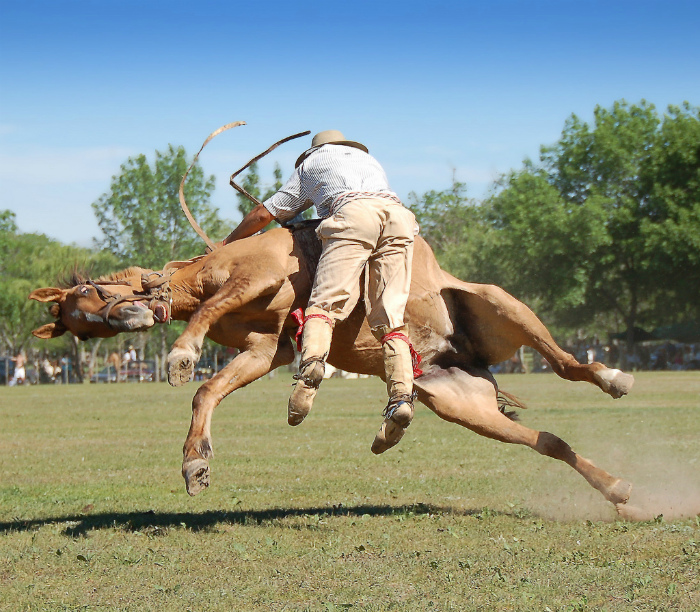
(84, 290)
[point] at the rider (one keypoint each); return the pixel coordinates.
(364, 224)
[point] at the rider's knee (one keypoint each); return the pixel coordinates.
(381, 331)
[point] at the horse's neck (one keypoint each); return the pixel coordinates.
(131, 275)
(184, 293)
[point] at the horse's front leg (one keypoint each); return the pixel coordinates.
(238, 291)
(265, 353)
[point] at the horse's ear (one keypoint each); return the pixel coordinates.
(47, 294)
(50, 330)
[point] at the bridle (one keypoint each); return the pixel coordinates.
(156, 288)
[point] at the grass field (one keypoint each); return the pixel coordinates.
(94, 514)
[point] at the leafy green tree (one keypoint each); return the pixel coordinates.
(7, 224)
(29, 261)
(583, 233)
(454, 226)
(276, 185)
(141, 218)
(672, 223)
(543, 247)
(251, 183)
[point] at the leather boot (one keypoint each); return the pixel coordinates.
(398, 367)
(315, 344)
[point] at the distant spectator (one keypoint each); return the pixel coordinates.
(130, 354)
(46, 371)
(20, 374)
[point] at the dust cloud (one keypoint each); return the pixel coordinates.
(660, 487)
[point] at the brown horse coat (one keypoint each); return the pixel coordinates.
(242, 295)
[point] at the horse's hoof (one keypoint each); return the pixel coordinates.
(196, 475)
(180, 367)
(619, 492)
(633, 513)
(615, 382)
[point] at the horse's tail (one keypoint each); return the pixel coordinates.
(506, 401)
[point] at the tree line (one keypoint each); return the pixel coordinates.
(601, 234)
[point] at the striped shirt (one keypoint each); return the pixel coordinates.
(328, 178)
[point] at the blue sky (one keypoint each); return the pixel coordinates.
(429, 87)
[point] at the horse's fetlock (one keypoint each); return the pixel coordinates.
(193, 350)
(198, 449)
(204, 449)
(614, 382)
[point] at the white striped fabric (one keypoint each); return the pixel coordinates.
(328, 178)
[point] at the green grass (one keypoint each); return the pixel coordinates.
(94, 514)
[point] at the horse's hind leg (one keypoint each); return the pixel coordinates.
(516, 325)
(470, 400)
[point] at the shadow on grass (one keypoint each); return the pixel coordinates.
(156, 523)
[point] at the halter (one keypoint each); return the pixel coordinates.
(156, 289)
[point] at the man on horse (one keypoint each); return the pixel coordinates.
(364, 224)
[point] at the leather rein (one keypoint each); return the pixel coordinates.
(181, 193)
(156, 289)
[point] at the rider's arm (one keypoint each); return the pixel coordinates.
(252, 223)
(283, 205)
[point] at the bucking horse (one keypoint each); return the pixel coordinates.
(244, 295)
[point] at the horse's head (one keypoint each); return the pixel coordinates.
(96, 309)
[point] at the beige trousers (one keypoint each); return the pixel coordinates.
(373, 233)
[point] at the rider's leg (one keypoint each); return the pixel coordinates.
(347, 244)
(315, 344)
(388, 290)
(398, 368)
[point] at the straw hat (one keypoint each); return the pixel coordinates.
(329, 137)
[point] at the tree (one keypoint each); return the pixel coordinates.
(672, 223)
(584, 231)
(542, 247)
(141, 218)
(277, 184)
(143, 223)
(29, 261)
(251, 183)
(454, 227)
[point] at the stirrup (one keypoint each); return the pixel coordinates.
(393, 428)
(396, 401)
(310, 381)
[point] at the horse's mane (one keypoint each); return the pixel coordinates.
(129, 272)
(74, 278)
(80, 277)
(305, 237)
